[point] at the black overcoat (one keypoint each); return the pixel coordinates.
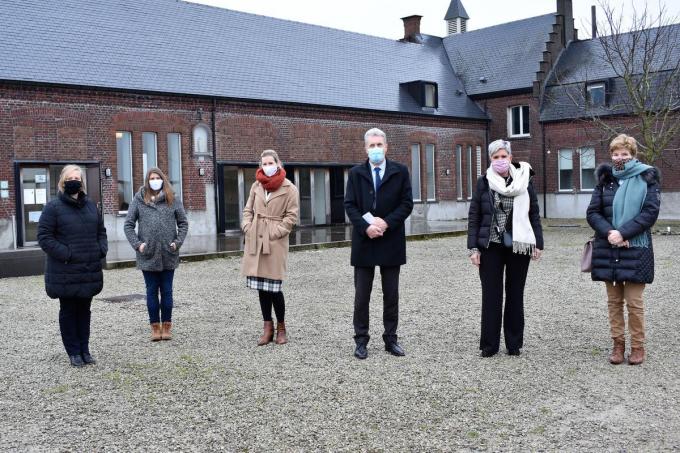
(393, 204)
(481, 212)
(72, 234)
(621, 264)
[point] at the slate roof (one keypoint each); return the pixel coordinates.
(456, 9)
(584, 61)
(507, 55)
(173, 46)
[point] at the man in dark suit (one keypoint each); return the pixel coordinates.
(377, 201)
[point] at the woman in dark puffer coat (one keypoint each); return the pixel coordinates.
(72, 234)
(624, 206)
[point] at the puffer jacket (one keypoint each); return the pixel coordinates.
(72, 234)
(480, 215)
(158, 225)
(621, 264)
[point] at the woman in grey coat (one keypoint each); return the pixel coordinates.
(161, 228)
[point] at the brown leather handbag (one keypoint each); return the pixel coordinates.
(587, 256)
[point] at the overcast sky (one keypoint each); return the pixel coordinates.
(382, 17)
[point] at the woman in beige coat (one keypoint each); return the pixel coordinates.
(268, 218)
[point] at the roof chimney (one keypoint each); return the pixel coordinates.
(412, 29)
(593, 20)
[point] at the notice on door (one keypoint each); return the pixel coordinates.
(40, 196)
(34, 216)
(29, 196)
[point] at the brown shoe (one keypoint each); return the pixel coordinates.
(166, 331)
(281, 333)
(267, 335)
(637, 356)
(616, 357)
(155, 331)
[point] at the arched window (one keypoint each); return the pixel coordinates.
(201, 139)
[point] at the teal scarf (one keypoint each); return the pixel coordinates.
(630, 197)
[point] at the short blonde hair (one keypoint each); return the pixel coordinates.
(271, 153)
(624, 141)
(65, 171)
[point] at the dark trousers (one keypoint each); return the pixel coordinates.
(74, 324)
(363, 284)
(155, 282)
(269, 299)
(494, 262)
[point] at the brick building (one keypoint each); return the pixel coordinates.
(119, 86)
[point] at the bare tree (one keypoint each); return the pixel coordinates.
(640, 63)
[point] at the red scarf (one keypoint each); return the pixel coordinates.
(270, 184)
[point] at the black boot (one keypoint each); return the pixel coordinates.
(76, 361)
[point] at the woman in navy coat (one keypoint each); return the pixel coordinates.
(71, 232)
(624, 206)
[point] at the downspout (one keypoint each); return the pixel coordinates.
(214, 158)
(486, 134)
(545, 176)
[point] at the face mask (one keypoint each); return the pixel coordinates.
(500, 166)
(376, 155)
(270, 170)
(156, 184)
(72, 187)
(620, 164)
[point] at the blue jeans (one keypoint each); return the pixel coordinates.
(156, 281)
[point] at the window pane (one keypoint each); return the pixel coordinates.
(479, 161)
(320, 196)
(525, 119)
(565, 165)
(470, 173)
(430, 95)
(124, 171)
(429, 156)
(148, 151)
(415, 171)
(459, 172)
(175, 162)
(305, 189)
(596, 94)
(200, 140)
(587, 168)
(515, 121)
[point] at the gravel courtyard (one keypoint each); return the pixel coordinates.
(211, 388)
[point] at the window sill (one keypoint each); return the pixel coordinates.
(520, 136)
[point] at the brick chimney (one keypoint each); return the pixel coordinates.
(412, 29)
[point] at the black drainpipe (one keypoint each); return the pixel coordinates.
(214, 156)
(486, 134)
(545, 171)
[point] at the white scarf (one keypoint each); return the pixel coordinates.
(523, 238)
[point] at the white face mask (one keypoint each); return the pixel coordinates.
(156, 184)
(270, 170)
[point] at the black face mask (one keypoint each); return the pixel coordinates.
(72, 187)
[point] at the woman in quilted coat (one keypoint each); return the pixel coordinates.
(71, 233)
(623, 208)
(161, 229)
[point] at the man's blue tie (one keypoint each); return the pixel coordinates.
(378, 181)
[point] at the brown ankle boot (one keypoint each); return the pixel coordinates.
(166, 331)
(267, 335)
(616, 357)
(637, 356)
(281, 333)
(155, 331)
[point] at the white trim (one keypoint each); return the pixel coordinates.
(434, 174)
(522, 134)
(418, 174)
(458, 153)
(145, 153)
(559, 169)
(132, 170)
(580, 167)
(181, 181)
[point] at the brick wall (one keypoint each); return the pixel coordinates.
(45, 123)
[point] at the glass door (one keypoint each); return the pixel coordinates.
(35, 183)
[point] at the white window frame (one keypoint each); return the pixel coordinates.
(470, 172)
(559, 170)
(132, 169)
(459, 172)
(426, 87)
(194, 140)
(580, 167)
(416, 173)
(596, 85)
(145, 152)
(479, 160)
(178, 191)
(428, 147)
(521, 121)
